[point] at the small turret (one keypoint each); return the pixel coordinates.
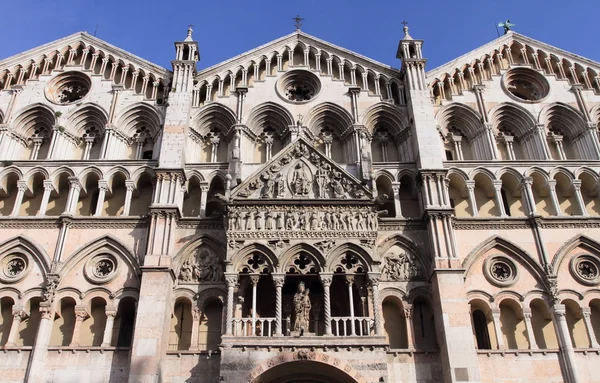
(184, 66)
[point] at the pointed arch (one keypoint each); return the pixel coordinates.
(213, 117)
(195, 243)
(34, 118)
(564, 118)
(513, 118)
(27, 246)
(266, 254)
(328, 115)
(508, 246)
(269, 114)
(288, 256)
(101, 244)
(385, 115)
(336, 256)
(570, 245)
(462, 117)
(89, 119)
(139, 118)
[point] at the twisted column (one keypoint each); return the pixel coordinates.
(231, 281)
(278, 280)
(326, 280)
(374, 284)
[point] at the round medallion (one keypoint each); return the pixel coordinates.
(500, 271)
(525, 85)
(298, 86)
(586, 269)
(101, 268)
(68, 88)
(14, 268)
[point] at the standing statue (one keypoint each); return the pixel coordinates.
(280, 181)
(338, 188)
(270, 221)
(301, 179)
(302, 308)
(269, 185)
(322, 177)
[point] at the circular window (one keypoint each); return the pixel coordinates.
(68, 88)
(298, 86)
(500, 271)
(101, 268)
(586, 269)
(14, 268)
(526, 85)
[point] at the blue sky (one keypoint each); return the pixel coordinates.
(227, 28)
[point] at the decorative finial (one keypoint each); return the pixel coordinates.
(189, 32)
(507, 25)
(297, 22)
(405, 28)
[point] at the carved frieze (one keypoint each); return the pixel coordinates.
(246, 222)
(203, 266)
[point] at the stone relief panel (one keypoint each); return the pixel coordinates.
(301, 172)
(246, 222)
(401, 266)
(202, 266)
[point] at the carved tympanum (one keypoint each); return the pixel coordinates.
(203, 266)
(401, 267)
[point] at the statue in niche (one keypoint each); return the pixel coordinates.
(239, 223)
(232, 220)
(371, 221)
(268, 186)
(302, 308)
(205, 266)
(280, 181)
(289, 221)
(314, 221)
(327, 222)
(258, 220)
(360, 223)
(301, 179)
(250, 221)
(402, 267)
(322, 178)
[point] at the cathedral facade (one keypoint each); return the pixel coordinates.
(299, 213)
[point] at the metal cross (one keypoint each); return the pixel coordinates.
(405, 23)
(297, 22)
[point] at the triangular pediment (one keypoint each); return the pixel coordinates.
(290, 41)
(511, 38)
(81, 40)
(300, 172)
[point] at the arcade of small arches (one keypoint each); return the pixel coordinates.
(37, 133)
(216, 135)
(509, 193)
(462, 79)
(372, 82)
(93, 60)
(514, 134)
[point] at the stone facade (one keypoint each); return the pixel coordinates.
(299, 213)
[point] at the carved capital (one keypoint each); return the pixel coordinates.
(278, 280)
(326, 279)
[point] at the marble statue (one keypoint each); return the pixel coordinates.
(302, 308)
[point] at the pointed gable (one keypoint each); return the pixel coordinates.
(300, 172)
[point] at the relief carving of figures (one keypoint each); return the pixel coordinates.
(280, 181)
(268, 186)
(280, 221)
(250, 221)
(258, 220)
(401, 267)
(322, 178)
(302, 308)
(301, 181)
(204, 266)
(338, 188)
(270, 221)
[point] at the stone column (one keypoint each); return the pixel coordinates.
(326, 279)
(529, 329)
(130, 185)
(108, 328)
(102, 188)
(498, 196)
(565, 344)
(408, 315)
(196, 315)
(586, 312)
(472, 200)
(552, 188)
(21, 188)
(254, 279)
(374, 284)
(579, 198)
(278, 280)
(397, 204)
(48, 187)
(350, 282)
(498, 329)
(18, 315)
(231, 281)
(203, 198)
(73, 198)
(36, 372)
(527, 183)
(80, 316)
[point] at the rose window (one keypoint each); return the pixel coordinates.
(103, 268)
(13, 268)
(526, 85)
(586, 269)
(298, 86)
(68, 88)
(500, 271)
(299, 92)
